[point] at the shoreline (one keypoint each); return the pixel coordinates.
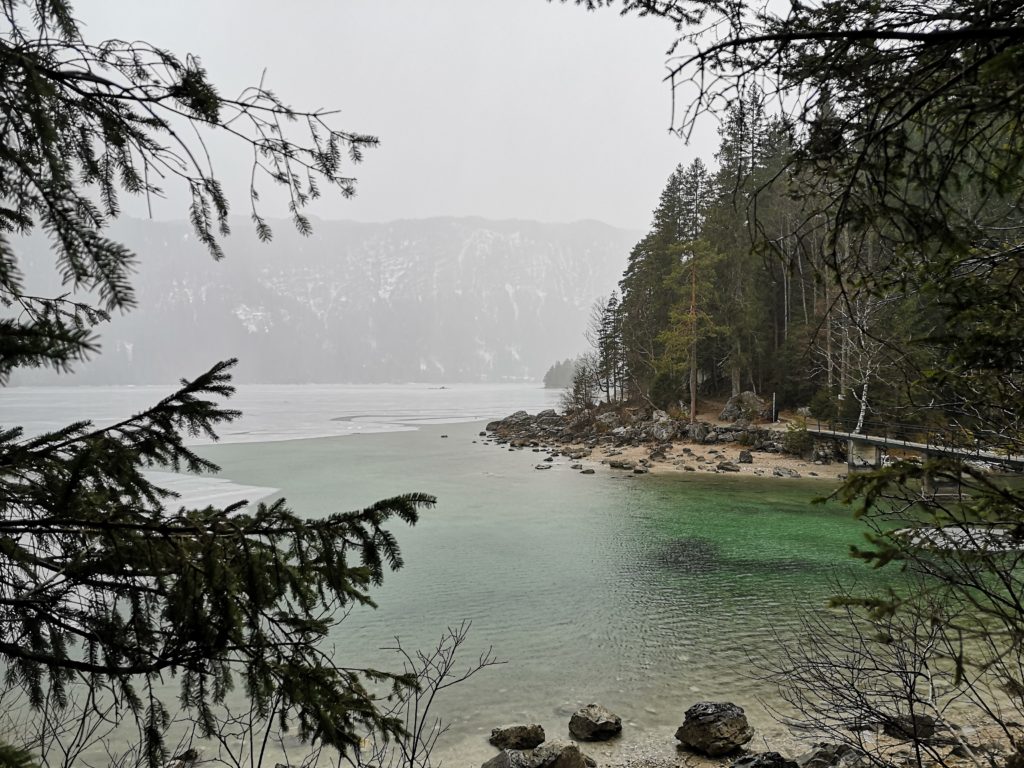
(662, 446)
(683, 454)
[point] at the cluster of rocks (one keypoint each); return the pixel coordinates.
(710, 728)
(612, 430)
(715, 730)
(626, 427)
(523, 746)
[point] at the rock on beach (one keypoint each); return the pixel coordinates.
(517, 736)
(552, 754)
(714, 728)
(595, 723)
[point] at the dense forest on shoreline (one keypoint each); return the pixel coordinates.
(735, 288)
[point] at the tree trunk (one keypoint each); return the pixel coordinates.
(859, 429)
(828, 341)
(785, 303)
(844, 363)
(693, 381)
(693, 345)
(736, 373)
(803, 288)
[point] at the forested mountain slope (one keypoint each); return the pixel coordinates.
(445, 299)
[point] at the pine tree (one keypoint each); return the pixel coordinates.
(692, 330)
(647, 293)
(730, 229)
(578, 398)
(104, 583)
(696, 196)
(609, 349)
(559, 375)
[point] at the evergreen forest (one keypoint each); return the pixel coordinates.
(743, 283)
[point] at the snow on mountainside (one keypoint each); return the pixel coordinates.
(441, 299)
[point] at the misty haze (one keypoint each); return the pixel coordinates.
(513, 383)
(435, 300)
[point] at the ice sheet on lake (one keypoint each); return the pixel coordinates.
(196, 491)
(285, 412)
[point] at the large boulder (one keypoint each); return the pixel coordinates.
(553, 754)
(517, 736)
(662, 431)
(714, 728)
(764, 760)
(745, 405)
(595, 723)
(697, 432)
(548, 419)
(784, 472)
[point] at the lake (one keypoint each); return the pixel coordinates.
(644, 593)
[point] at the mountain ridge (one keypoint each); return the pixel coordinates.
(432, 300)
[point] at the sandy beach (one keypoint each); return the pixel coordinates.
(691, 457)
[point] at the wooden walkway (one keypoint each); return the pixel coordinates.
(1013, 461)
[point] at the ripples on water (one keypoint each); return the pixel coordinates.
(643, 593)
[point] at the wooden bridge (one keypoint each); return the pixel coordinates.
(866, 450)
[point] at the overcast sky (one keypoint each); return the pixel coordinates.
(496, 108)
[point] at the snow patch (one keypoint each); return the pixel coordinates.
(254, 319)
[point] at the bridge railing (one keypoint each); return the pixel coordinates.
(951, 439)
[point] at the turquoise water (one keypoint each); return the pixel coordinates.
(644, 593)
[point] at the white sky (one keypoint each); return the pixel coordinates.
(496, 108)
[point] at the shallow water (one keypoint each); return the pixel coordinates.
(644, 593)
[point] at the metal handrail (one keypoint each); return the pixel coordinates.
(933, 440)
